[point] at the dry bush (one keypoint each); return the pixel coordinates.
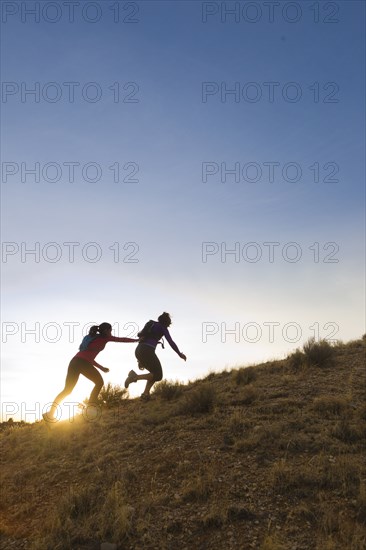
(248, 395)
(245, 376)
(111, 395)
(87, 514)
(237, 424)
(262, 439)
(360, 343)
(319, 354)
(116, 515)
(168, 390)
(296, 360)
(72, 522)
(331, 406)
(199, 401)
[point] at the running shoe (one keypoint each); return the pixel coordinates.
(132, 377)
(47, 418)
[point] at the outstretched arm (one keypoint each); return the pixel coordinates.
(125, 340)
(173, 345)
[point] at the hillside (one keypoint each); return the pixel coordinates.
(270, 457)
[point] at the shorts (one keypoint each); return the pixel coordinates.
(147, 358)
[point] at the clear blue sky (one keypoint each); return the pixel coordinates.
(168, 135)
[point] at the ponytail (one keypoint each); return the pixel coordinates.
(93, 331)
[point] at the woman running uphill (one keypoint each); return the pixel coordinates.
(84, 363)
(145, 353)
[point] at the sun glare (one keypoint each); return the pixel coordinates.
(69, 410)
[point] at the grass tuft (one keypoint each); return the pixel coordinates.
(319, 354)
(329, 406)
(200, 401)
(296, 360)
(168, 390)
(245, 376)
(112, 395)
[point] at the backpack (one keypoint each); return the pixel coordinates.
(148, 331)
(86, 341)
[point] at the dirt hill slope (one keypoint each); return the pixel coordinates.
(269, 457)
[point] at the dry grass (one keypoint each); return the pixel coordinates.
(245, 375)
(168, 390)
(320, 473)
(272, 542)
(248, 395)
(330, 406)
(270, 457)
(319, 354)
(200, 401)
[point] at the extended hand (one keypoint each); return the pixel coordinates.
(182, 356)
(104, 369)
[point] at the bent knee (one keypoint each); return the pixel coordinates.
(158, 377)
(99, 383)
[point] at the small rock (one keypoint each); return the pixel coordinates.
(108, 546)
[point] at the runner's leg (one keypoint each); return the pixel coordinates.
(72, 377)
(147, 358)
(92, 374)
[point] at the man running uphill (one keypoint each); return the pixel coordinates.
(84, 363)
(146, 357)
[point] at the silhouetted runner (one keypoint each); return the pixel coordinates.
(84, 363)
(146, 357)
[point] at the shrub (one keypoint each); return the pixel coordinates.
(202, 400)
(331, 406)
(115, 519)
(168, 390)
(245, 376)
(238, 424)
(296, 360)
(319, 354)
(111, 396)
(249, 395)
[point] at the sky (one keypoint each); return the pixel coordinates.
(200, 158)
